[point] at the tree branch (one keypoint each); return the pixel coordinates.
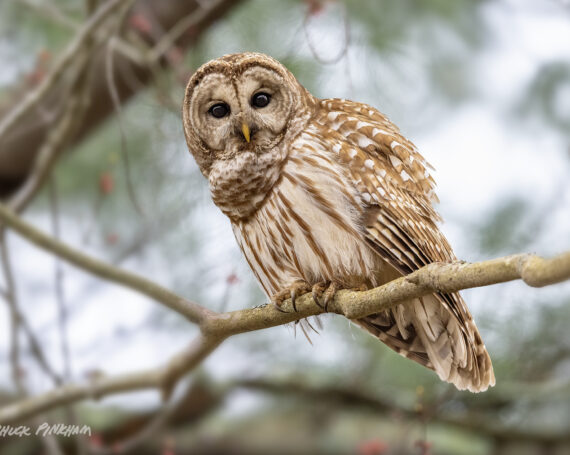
(347, 396)
(216, 327)
(436, 277)
(134, 71)
(163, 378)
(190, 310)
(69, 118)
(86, 33)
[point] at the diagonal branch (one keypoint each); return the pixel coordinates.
(57, 138)
(192, 311)
(216, 327)
(157, 378)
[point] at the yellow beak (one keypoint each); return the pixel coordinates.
(245, 131)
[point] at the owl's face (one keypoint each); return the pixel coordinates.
(239, 105)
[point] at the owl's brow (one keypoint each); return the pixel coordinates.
(241, 68)
(217, 67)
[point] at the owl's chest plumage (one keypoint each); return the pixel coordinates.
(309, 227)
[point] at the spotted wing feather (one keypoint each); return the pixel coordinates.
(399, 221)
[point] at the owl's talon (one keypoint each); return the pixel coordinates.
(317, 291)
(296, 289)
(324, 292)
(278, 299)
(329, 294)
(278, 307)
(293, 298)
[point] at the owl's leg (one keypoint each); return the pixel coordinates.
(296, 289)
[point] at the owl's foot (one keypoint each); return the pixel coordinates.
(323, 293)
(296, 289)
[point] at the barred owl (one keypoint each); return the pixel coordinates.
(324, 194)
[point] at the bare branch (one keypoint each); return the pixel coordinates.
(192, 311)
(59, 285)
(116, 100)
(50, 443)
(50, 11)
(15, 317)
(158, 378)
(57, 138)
(356, 398)
(435, 277)
(181, 27)
(22, 142)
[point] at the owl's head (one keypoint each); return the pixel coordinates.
(239, 104)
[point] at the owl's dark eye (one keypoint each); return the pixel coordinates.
(260, 99)
(219, 110)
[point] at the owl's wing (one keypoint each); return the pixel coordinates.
(397, 193)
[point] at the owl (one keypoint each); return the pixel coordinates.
(327, 194)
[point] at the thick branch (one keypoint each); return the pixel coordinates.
(216, 327)
(436, 277)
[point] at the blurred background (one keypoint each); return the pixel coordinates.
(98, 159)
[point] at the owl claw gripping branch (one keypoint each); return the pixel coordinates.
(328, 191)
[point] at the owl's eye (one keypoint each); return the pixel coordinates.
(219, 110)
(260, 99)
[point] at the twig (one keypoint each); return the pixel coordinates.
(15, 320)
(110, 79)
(59, 285)
(57, 138)
(169, 38)
(65, 59)
(158, 378)
(18, 321)
(50, 443)
(313, 49)
(50, 11)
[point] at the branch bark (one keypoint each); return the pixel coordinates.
(216, 327)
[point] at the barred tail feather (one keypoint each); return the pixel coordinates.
(427, 332)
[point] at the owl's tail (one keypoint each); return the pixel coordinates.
(427, 332)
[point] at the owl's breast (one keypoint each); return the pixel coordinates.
(310, 226)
